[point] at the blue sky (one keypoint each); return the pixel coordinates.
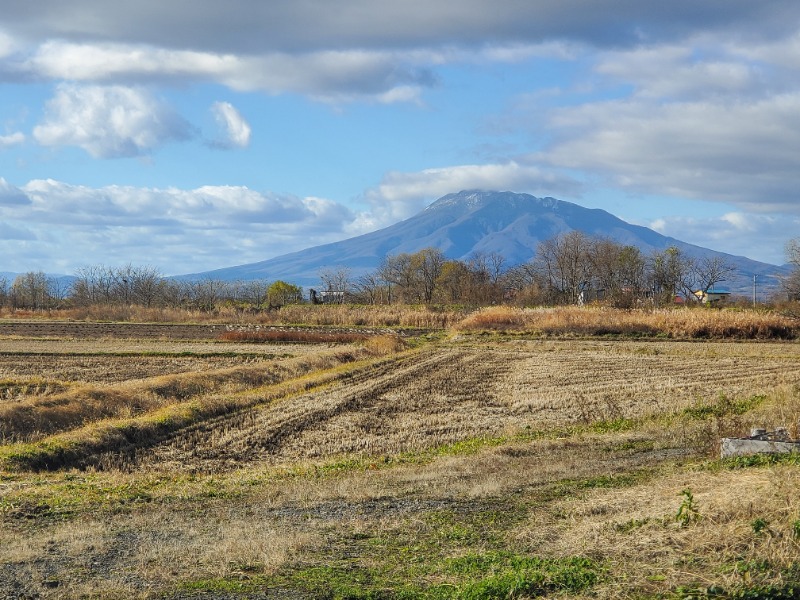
(192, 135)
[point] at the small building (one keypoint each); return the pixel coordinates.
(712, 296)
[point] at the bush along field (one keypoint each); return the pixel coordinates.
(517, 454)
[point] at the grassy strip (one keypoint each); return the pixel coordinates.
(80, 448)
(72, 493)
(790, 590)
(156, 354)
(475, 576)
(90, 491)
(305, 337)
(491, 575)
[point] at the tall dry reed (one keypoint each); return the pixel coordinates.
(693, 323)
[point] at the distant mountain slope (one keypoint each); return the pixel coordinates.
(461, 224)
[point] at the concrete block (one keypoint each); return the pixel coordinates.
(748, 446)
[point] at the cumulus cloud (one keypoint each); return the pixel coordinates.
(401, 194)
(178, 230)
(326, 74)
(737, 233)
(12, 139)
(205, 207)
(11, 195)
(234, 129)
(726, 150)
(109, 122)
(682, 71)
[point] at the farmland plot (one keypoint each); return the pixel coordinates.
(156, 468)
(447, 394)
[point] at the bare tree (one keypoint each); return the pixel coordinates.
(335, 283)
(32, 290)
(371, 288)
(487, 274)
(706, 273)
(398, 272)
(564, 262)
(618, 272)
(4, 291)
(254, 293)
(205, 294)
(428, 264)
(669, 274)
(791, 283)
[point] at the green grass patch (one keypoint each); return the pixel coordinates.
(475, 576)
(723, 407)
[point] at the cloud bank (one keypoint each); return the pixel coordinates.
(177, 230)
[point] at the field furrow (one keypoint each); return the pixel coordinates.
(449, 394)
(261, 433)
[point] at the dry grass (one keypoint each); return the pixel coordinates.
(383, 345)
(675, 323)
(142, 550)
(35, 416)
(23, 347)
(442, 396)
(305, 336)
(635, 529)
(376, 474)
(318, 315)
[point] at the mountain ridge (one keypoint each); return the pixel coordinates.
(461, 224)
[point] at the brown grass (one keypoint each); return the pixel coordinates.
(694, 323)
(382, 345)
(249, 473)
(346, 315)
(36, 416)
(635, 529)
(442, 396)
(290, 335)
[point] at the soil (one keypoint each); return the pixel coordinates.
(166, 331)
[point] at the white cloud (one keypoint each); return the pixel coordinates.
(400, 195)
(86, 62)
(735, 151)
(682, 71)
(11, 139)
(326, 74)
(177, 230)
(234, 128)
(7, 45)
(737, 233)
(432, 183)
(11, 195)
(109, 122)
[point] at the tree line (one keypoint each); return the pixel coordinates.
(141, 286)
(570, 268)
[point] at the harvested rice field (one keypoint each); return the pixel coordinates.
(444, 466)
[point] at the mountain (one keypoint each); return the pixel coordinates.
(462, 224)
